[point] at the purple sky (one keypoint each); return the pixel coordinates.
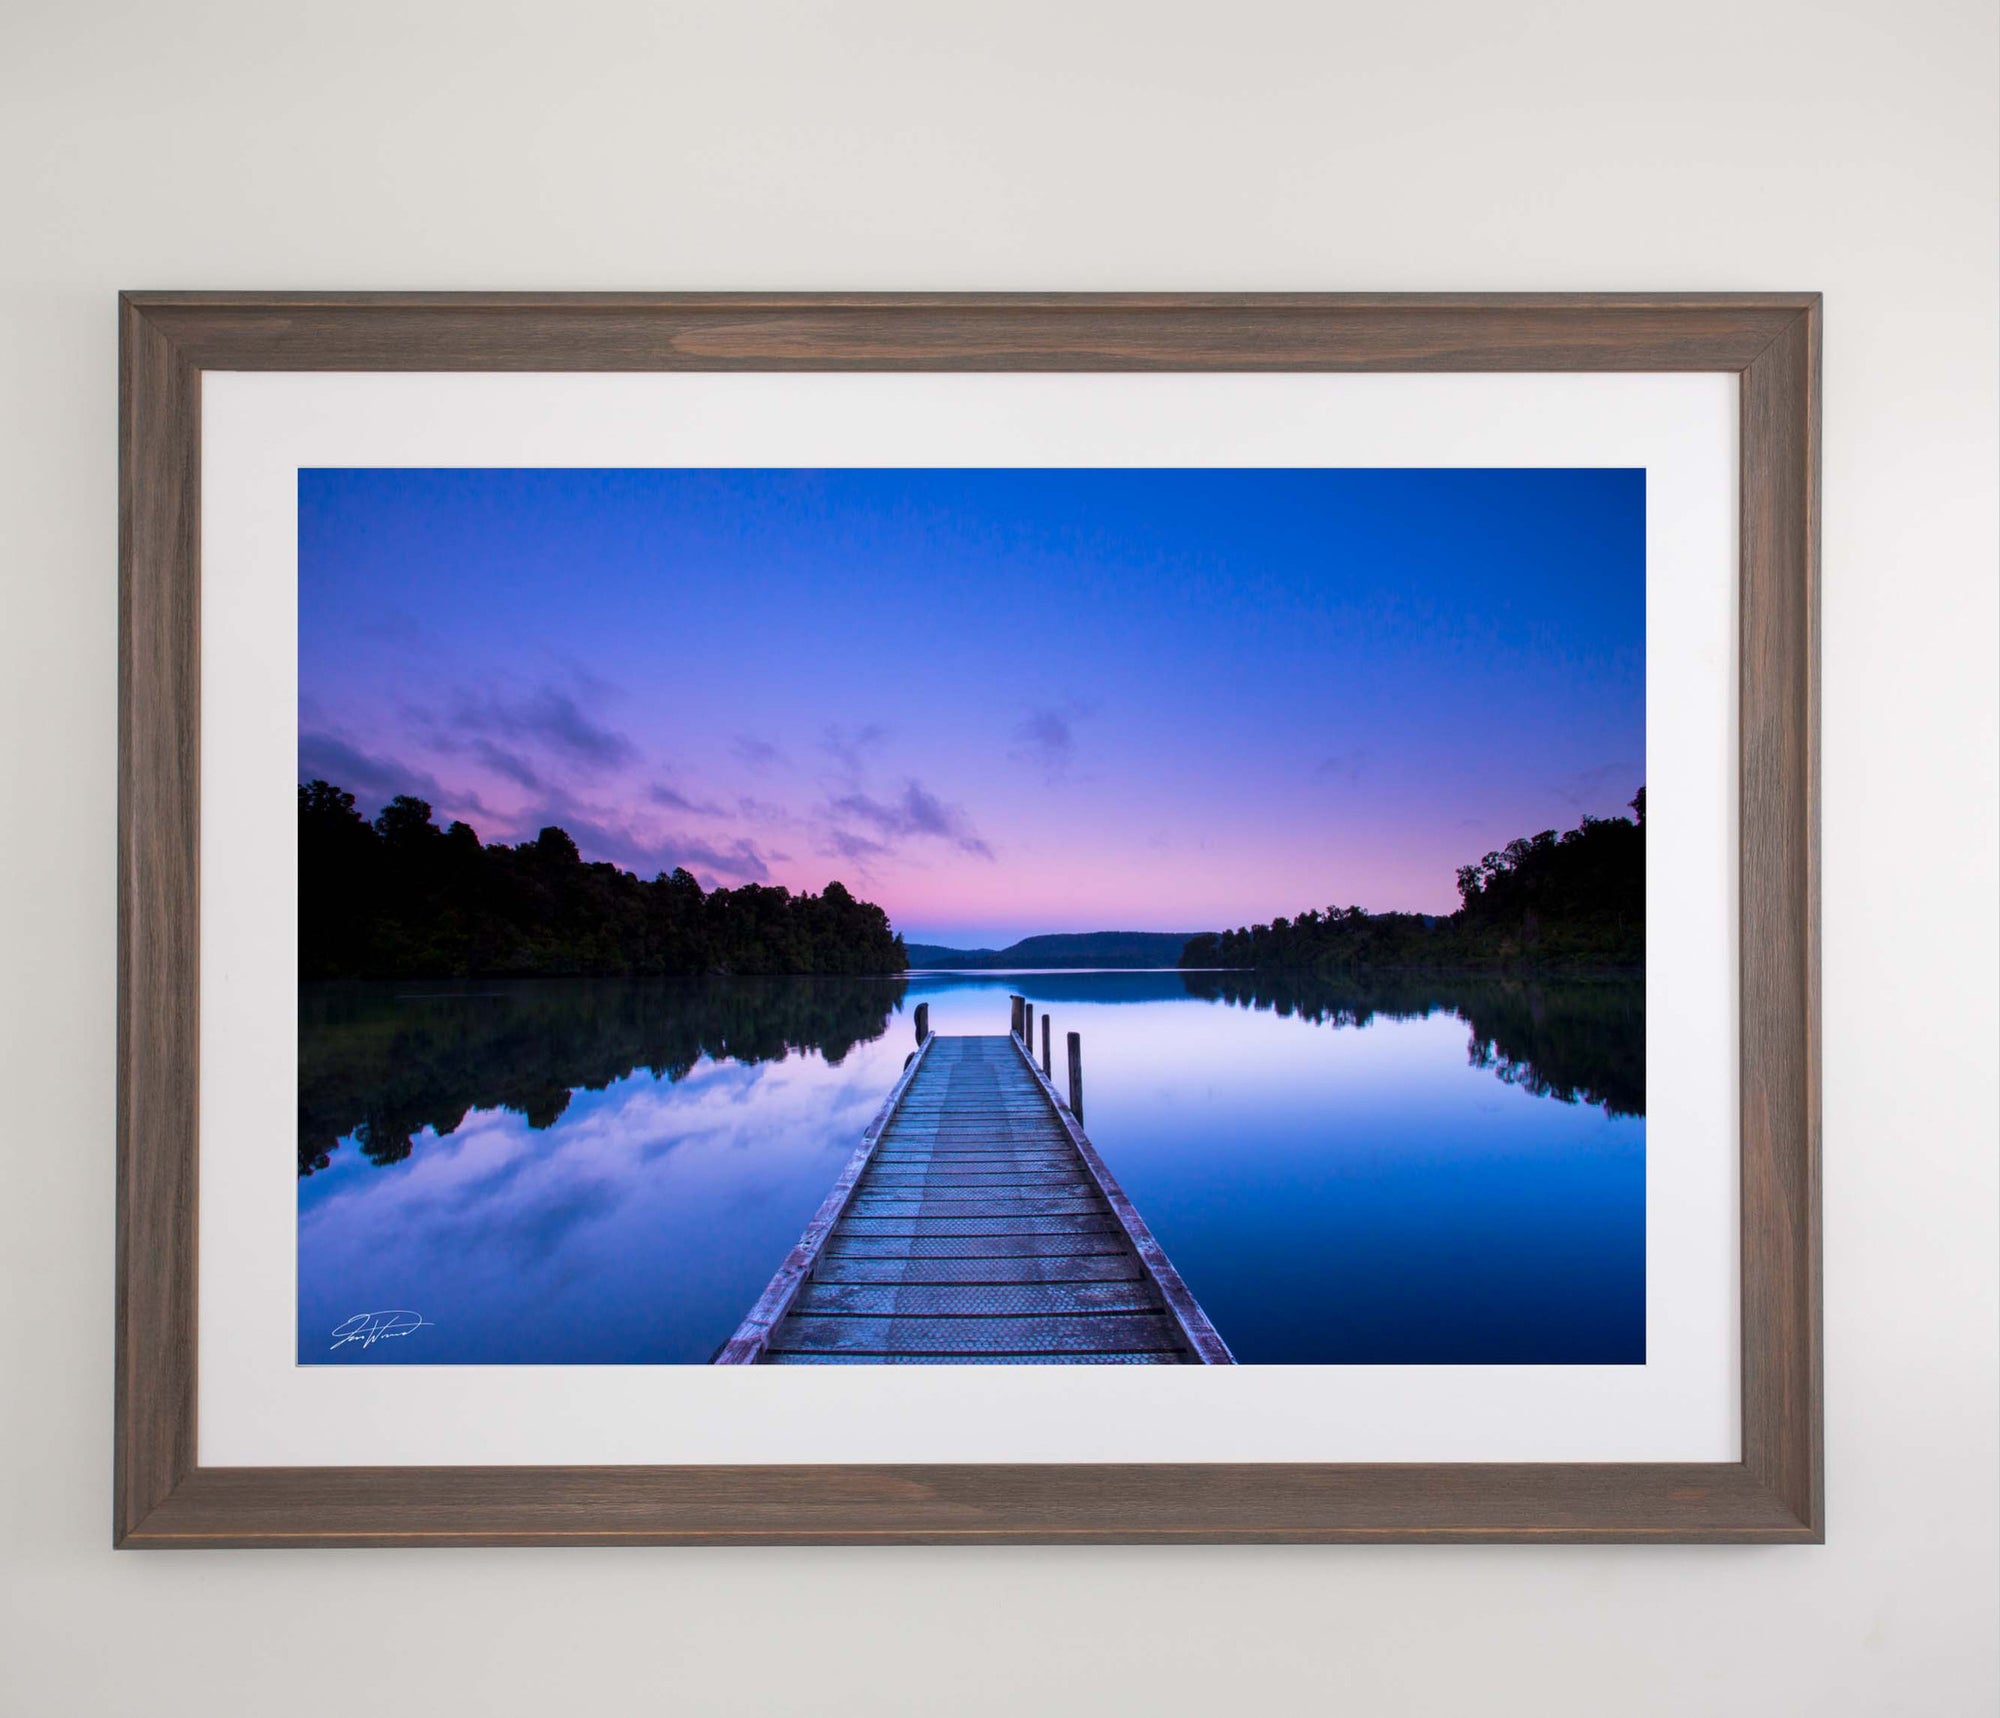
(997, 702)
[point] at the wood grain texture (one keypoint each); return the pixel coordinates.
(162, 1498)
(159, 789)
(1779, 930)
(1000, 331)
(971, 1503)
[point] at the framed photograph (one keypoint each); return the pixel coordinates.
(968, 919)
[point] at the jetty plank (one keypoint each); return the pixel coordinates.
(976, 1224)
(1117, 1333)
(1000, 1268)
(975, 1246)
(975, 1300)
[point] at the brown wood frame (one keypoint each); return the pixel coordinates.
(163, 1498)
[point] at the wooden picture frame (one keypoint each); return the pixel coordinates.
(164, 1498)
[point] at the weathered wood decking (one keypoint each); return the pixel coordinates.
(975, 1224)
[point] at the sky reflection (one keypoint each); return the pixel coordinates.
(1332, 1193)
(637, 1229)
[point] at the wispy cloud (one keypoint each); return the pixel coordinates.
(531, 1233)
(1593, 786)
(916, 812)
(762, 811)
(660, 793)
(373, 779)
(396, 626)
(547, 718)
(857, 848)
(612, 832)
(604, 834)
(758, 754)
(1342, 766)
(1046, 738)
(503, 762)
(849, 747)
(740, 859)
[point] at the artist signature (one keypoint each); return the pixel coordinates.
(369, 1328)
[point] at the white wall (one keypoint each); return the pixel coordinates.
(1711, 143)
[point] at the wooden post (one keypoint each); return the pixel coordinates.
(923, 1021)
(1076, 1076)
(1045, 1044)
(1014, 1015)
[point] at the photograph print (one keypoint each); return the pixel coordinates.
(971, 916)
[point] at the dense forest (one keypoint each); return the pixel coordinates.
(1572, 900)
(382, 1064)
(402, 898)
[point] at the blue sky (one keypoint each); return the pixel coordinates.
(998, 702)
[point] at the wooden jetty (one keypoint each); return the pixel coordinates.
(976, 1224)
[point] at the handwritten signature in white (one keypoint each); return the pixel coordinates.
(369, 1328)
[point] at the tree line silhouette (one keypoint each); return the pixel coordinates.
(1575, 900)
(381, 1063)
(402, 898)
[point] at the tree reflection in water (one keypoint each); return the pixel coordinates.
(1581, 1040)
(383, 1061)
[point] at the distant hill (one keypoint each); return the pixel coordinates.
(937, 955)
(1088, 948)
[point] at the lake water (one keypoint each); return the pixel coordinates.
(1410, 1170)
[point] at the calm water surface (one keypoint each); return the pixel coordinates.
(608, 1171)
